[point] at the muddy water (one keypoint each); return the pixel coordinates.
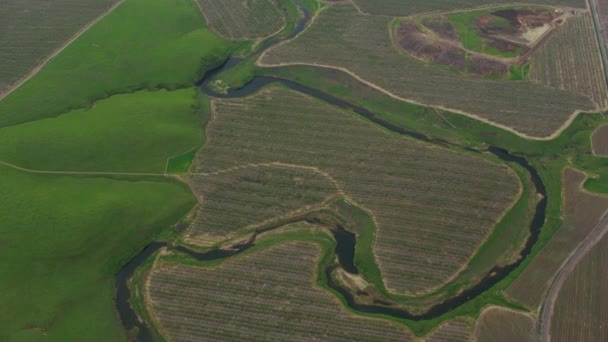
(345, 240)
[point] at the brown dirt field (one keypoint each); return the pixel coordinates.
(599, 140)
(497, 324)
(582, 211)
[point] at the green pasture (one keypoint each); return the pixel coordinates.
(63, 240)
(135, 132)
(143, 44)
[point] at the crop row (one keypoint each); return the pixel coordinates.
(581, 309)
(458, 330)
(31, 30)
(240, 19)
(433, 206)
(341, 37)
(571, 60)
(265, 295)
(248, 196)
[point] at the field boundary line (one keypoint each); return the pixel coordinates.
(33, 72)
(553, 135)
(83, 173)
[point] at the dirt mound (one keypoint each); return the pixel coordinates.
(423, 46)
(442, 27)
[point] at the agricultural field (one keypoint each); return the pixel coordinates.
(396, 179)
(32, 30)
(497, 324)
(168, 47)
(361, 45)
(458, 330)
(582, 211)
(581, 309)
(63, 240)
(599, 140)
(238, 19)
(401, 8)
(135, 132)
(267, 294)
(250, 195)
(570, 60)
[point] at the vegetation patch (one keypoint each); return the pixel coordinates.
(124, 133)
(64, 238)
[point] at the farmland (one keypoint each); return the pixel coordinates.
(358, 42)
(582, 211)
(268, 294)
(32, 30)
(238, 198)
(503, 325)
(599, 139)
(412, 246)
(581, 309)
(156, 34)
(452, 331)
(570, 60)
(398, 7)
(237, 19)
(65, 238)
(124, 133)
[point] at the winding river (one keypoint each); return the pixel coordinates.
(345, 240)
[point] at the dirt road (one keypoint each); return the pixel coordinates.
(561, 275)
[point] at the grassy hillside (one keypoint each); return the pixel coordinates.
(125, 133)
(63, 239)
(141, 45)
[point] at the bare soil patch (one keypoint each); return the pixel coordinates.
(599, 140)
(424, 46)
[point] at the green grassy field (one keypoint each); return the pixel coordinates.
(125, 133)
(64, 238)
(141, 45)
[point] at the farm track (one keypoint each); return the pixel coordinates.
(54, 54)
(84, 173)
(562, 274)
